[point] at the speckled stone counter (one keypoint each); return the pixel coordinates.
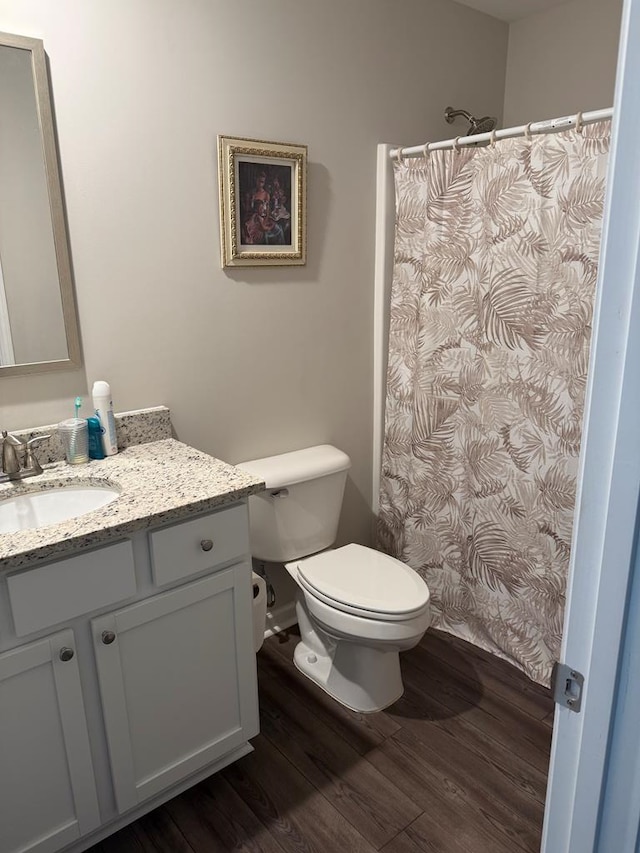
(160, 482)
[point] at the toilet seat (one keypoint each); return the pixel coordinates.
(365, 583)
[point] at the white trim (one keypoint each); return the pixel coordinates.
(608, 487)
(385, 223)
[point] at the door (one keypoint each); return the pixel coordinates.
(177, 677)
(47, 789)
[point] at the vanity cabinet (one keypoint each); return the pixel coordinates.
(170, 677)
(47, 790)
(119, 709)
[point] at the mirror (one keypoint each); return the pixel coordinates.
(38, 322)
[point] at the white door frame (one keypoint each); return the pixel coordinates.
(609, 485)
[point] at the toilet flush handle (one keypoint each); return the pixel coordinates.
(280, 493)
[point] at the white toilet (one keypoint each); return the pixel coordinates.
(357, 608)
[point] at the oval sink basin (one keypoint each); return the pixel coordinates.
(51, 506)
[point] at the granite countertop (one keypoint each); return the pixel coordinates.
(160, 482)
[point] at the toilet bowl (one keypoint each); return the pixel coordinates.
(357, 608)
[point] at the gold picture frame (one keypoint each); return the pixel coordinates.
(263, 189)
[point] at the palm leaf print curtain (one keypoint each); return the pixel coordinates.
(495, 269)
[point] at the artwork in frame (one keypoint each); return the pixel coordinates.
(262, 202)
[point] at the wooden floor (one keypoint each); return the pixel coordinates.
(458, 765)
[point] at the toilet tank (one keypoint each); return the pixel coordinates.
(298, 513)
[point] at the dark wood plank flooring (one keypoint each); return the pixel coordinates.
(458, 765)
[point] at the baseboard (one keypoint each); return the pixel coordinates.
(280, 618)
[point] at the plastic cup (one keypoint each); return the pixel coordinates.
(75, 440)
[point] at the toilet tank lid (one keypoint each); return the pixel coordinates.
(287, 469)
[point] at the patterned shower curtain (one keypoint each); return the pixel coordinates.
(495, 269)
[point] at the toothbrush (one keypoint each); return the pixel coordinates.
(74, 434)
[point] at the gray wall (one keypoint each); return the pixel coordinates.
(253, 361)
(562, 61)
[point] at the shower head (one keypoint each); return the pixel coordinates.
(482, 125)
(476, 125)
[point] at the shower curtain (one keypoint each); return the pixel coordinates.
(495, 268)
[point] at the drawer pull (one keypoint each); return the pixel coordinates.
(108, 637)
(206, 544)
(66, 654)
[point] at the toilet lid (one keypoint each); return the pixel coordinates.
(359, 577)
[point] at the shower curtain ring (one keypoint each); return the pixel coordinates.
(579, 123)
(492, 139)
(456, 144)
(527, 131)
(399, 155)
(425, 148)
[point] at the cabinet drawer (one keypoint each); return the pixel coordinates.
(183, 550)
(60, 591)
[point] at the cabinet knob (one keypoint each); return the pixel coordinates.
(108, 637)
(206, 544)
(66, 653)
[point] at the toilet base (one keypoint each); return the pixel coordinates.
(362, 678)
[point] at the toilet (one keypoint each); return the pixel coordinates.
(357, 608)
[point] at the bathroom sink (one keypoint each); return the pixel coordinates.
(42, 507)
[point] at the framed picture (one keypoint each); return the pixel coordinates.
(262, 202)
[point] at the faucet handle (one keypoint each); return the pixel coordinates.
(31, 462)
(35, 439)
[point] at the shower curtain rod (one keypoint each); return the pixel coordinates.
(562, 123)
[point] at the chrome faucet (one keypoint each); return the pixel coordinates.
(12, 467)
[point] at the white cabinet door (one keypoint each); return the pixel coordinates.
(47, 788)
(178, 682)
